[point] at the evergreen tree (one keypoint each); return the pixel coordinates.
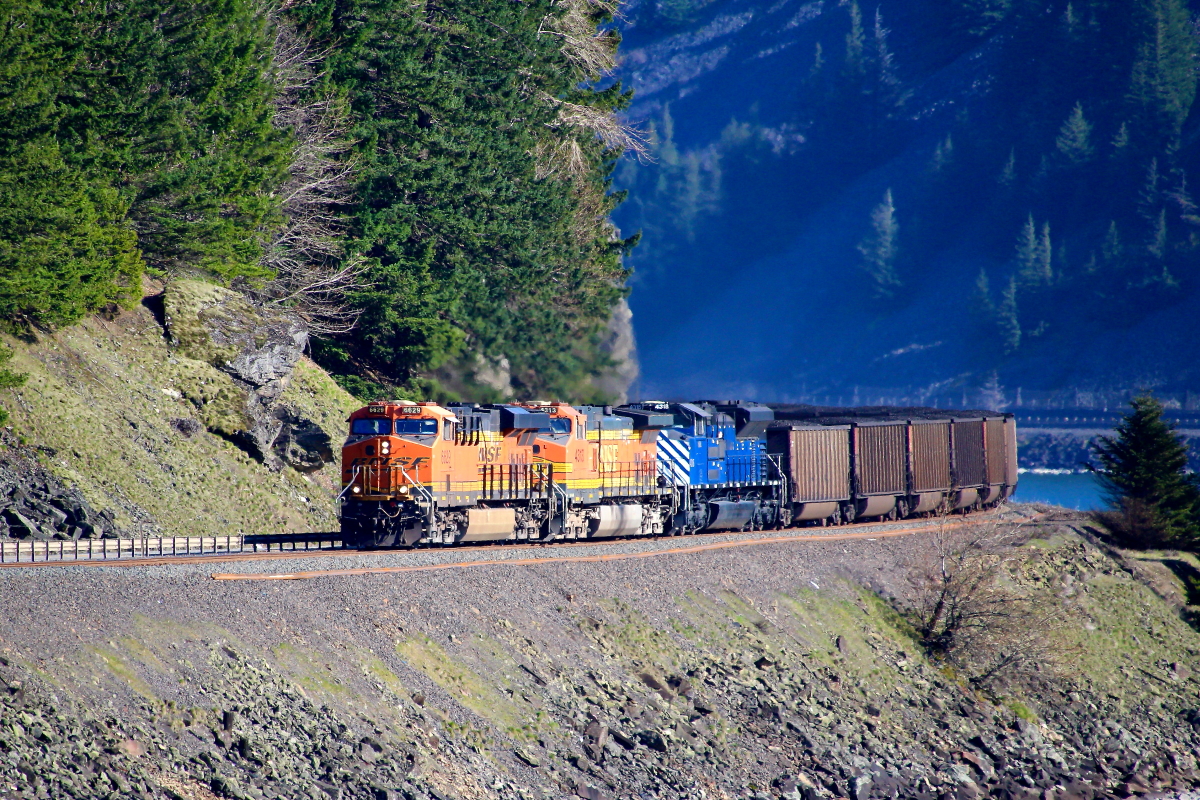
(65, 249)
(978, 17)
(1112, 251)
(818, 63)
(1074, 137)
(1008, 175)
(1120, 141)
(483, 202)
(1156, 246)
(1008, 320)
(1143, 473)
(1045, 270)
(983, 295)
(1163, 83)
(943, 154)
(1029, 254)
(878, 249)
(855, 42)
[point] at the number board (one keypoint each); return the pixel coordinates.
(546, 409)
(376, 409)
(411, 410)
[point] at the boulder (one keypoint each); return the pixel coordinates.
(301, 443)
(221, 327)
(233, 361)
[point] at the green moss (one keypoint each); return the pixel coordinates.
(1020, 709)
(460, 682)
(192, 307)
(120, 668)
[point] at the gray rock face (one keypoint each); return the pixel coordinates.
(34, 504)
(255, 351)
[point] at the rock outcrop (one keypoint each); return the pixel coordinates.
(35, 504)
(234, 361)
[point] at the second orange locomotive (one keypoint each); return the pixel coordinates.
(420, 472)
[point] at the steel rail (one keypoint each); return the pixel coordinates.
(526, 562)
(858, 530)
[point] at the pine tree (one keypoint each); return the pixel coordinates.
(1112, 251)
(878, 249)
(1045, 271)
(1029, 258)
(818, 63)
(1120, 140)
(65, 248)
(1142, 471)
(886, 80)
(977, 17)
(1007, 318)
(1156, 246)
(1074, 137)
(943, 154)
(1008, 175)
(983, 295)
(855, 41)
(1163, 83)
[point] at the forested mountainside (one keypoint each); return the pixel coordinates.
(914, 193)
(427, 187)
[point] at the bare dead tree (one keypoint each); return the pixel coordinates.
(970, 611)
(593, 54)
(313, 273)
(592, 51)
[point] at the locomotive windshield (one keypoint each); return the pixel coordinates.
(416, 427)
(560, 425)
(371, 427)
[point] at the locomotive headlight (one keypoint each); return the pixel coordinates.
(356, 490)
(403, 490)
(385, 446)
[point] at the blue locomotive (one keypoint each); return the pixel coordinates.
(714, 456)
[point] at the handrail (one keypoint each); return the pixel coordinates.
(353, 477)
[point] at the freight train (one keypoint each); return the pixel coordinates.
(427, 474)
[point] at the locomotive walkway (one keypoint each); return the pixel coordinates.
(139, 553)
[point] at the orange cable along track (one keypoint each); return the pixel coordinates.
(524, 562)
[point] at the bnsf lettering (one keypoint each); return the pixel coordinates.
(408, 462)
(490, 454)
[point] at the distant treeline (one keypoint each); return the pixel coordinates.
(428, 184)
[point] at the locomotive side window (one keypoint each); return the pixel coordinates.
(371, 427)
(560, 425)
(447, 430)
(416, 427)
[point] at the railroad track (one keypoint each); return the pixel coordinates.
(556, 552)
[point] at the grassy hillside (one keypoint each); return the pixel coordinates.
(125, 417)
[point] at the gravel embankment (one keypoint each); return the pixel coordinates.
(762, 671)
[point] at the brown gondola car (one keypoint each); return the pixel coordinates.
(845, 464)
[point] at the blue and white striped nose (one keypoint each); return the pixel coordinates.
(674, 459)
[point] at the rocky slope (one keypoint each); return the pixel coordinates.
(193, 414)
(778, 671)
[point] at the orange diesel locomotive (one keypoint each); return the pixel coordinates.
(423, 473)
